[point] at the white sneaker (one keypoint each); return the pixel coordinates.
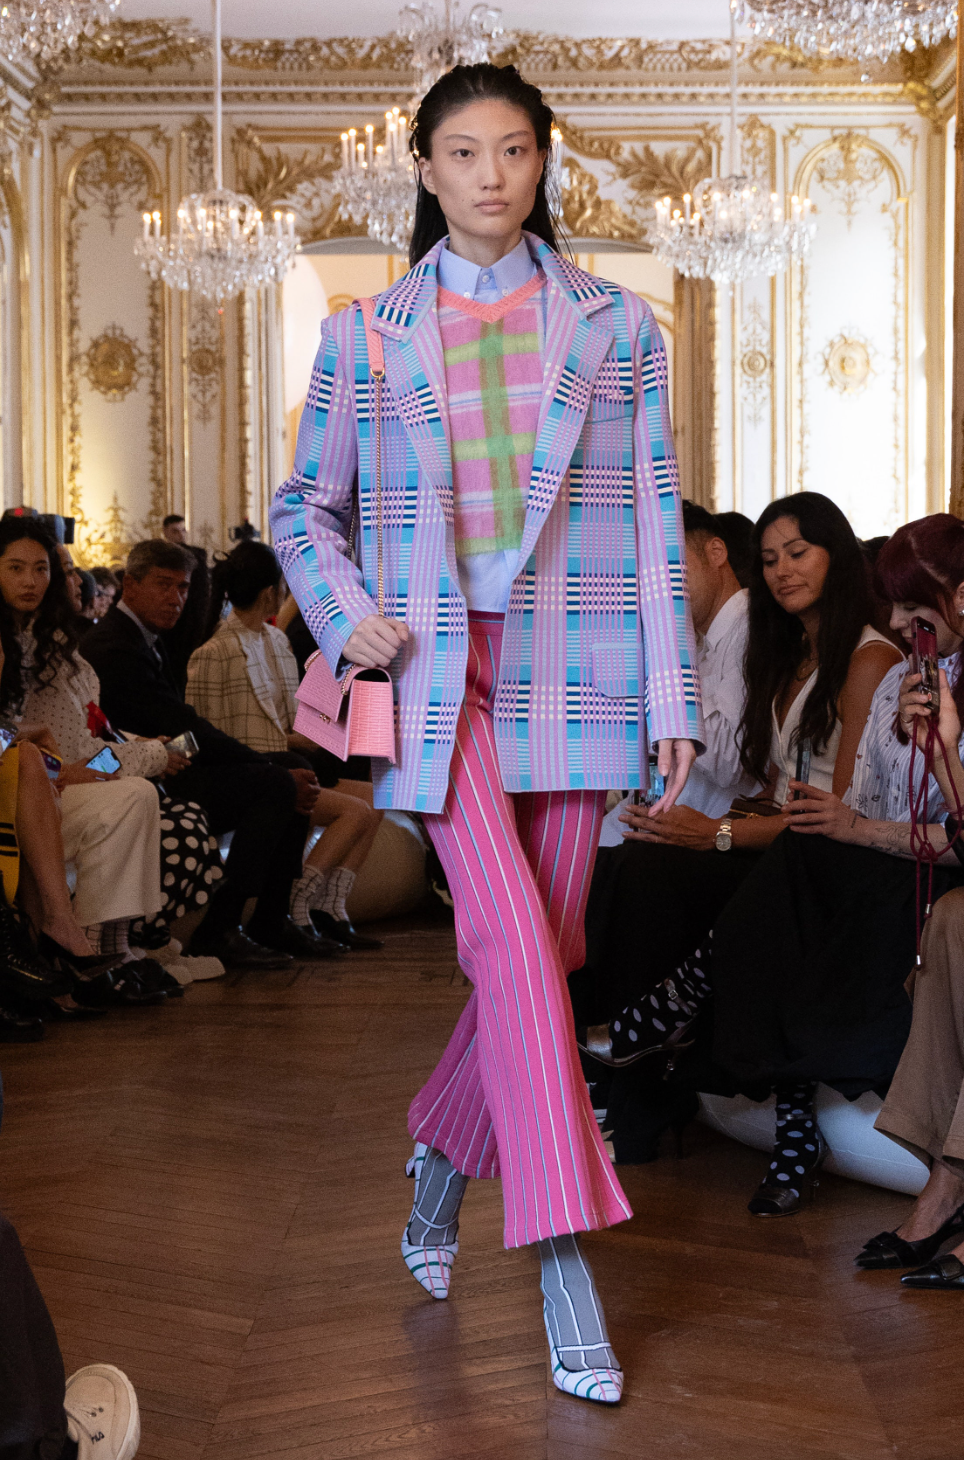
(195, 968)
(102, 1414)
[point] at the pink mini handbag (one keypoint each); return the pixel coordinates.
(356, 714)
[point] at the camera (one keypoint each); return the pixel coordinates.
(60, 528)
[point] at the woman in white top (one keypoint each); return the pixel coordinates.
(243, 679)
(808, 962)
(812, 666)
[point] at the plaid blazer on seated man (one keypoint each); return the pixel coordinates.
(598, 653)
(228, 684)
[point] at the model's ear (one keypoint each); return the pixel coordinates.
(425, 168)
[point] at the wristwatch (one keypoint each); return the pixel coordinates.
(724, 837)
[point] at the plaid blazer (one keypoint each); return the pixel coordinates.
(229, 687)
(598, 653)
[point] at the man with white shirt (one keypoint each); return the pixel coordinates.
(719, 607)
(649, 904)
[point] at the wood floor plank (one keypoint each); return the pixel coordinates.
(212, 1196)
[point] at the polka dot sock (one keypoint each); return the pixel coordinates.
(797, 1147)
(669, 1008)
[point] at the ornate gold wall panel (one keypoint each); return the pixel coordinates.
(114, 331)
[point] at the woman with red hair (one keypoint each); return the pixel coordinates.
(808, 961)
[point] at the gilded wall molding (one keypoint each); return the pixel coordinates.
(104, 174)
(141, 45)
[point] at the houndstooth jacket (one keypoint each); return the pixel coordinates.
(598, 654)
(228, 687)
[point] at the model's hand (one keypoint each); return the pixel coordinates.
(680, 826)
(673, 761)
(820, 813)
(375, 641)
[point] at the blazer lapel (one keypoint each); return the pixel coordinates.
(579, 334)
(415, 370)
(258, 682)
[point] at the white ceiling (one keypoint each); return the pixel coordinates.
(653, 19)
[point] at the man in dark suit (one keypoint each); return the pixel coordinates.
(263, 800)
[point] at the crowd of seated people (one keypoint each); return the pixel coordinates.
(109, 819)
(763, 947)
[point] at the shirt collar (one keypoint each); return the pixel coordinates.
(510, 273)
(734, 607)
(149, 635)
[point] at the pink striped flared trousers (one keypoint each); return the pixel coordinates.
(508, 1096)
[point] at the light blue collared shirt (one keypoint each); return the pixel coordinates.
(488, 284)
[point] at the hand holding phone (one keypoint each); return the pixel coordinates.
(924, 660)
(105, 760)
(804, 756)
(183, 745)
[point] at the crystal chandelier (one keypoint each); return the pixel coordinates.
(868, 30)
(440, 42)
(376, 183)
(731, 228)
(41, 30)
(222, 246)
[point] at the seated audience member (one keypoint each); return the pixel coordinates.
(108, 587)
(58, 689)
(812, 664)
(244, 679)
(807, 963)
(736, 530)
(93, 1415)
(924, 1109)
(264, 804)
(111, 827)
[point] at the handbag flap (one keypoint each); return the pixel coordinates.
(323, 692)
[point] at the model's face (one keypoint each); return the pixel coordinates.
(24, 575)
(902, 616)
(794, 570)
(484, 169)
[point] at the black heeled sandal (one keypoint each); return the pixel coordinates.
(86, 964)
(770, 1200)
(888, 1252)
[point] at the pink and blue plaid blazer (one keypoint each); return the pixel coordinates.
(598, 654)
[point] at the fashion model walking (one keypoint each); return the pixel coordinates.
(536, 619)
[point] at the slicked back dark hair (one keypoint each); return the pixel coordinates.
(775, 645)
(459, 88)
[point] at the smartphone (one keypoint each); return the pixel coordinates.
(105, 760)
(52, 763)
(802, 772)
(183, 745)
(654, 790)
(924, 660)
(8, 734)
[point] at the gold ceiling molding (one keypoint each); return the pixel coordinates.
(151, 44)
(141, 45)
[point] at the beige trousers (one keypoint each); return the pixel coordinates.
(924, 1109)
(112, 834)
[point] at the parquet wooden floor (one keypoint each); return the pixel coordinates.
(212, 1195)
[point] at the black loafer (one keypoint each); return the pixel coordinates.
(288, 937)
(943, 1272)
(235, 949)
(15, 1030)
(343, 932)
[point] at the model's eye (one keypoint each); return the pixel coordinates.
(461, 152)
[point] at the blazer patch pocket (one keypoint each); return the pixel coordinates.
(615, 669)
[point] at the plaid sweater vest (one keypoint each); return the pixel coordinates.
(493, 371)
